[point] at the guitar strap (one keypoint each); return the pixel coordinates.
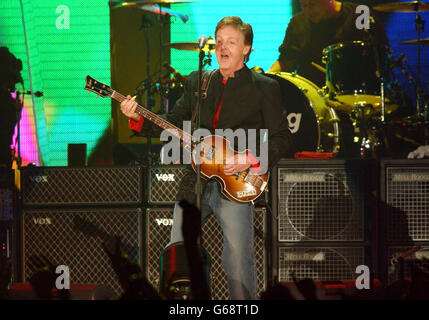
(205, 83)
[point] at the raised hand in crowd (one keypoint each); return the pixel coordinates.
(191, 229)
(5, 276)
(43, 280)
(133, 282)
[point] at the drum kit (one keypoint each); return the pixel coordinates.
(359, 90)
(353, 115)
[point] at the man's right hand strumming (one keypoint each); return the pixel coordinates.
(128, 108)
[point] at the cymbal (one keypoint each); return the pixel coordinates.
(164, 11)
(118, 4)
(372, 104)
(411, 6)
(422, 41)
(192, 46)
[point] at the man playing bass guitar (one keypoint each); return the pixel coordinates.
(237, 98)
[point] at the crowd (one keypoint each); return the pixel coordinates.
(136, 287)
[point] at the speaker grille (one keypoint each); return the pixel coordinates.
(319, 263)
(408, 200)
(158, 227)
(49, 186)
(419, 259)
(6, 204)
(6, 194)
(73, 238)
(164, 183)
(319, 204)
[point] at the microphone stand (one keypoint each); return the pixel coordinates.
(381, 76)
(19, 106)
(147, 24)
(420, 26)
(198, 187)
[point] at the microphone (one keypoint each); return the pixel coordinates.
(174, 72)
(202, 40)
(37, 94)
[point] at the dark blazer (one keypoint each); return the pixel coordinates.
(249, 101)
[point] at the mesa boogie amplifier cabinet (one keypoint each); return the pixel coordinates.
(326, 219)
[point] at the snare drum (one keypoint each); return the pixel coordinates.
(351, 72)
(314, 125)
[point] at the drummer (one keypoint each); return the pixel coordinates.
(320, 24)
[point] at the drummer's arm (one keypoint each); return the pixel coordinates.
(289, 49)
(286, 66)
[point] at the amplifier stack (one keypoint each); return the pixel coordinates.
(7, 208)
(69, 211)
(323, 213)
(405, 219)
(163, 187)
(328, 217)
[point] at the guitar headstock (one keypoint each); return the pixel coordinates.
(99, 88)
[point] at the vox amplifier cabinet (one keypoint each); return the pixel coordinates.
(82, 186)
(159, 222)
(163, 183)
(6, 194)
(73, 238)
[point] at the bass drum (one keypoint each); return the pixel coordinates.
(314, 125)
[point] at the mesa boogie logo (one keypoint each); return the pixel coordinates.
(304, 177)
(42, 221)
(408, 177)
(38, 179)
(165, 177)
(318, 256)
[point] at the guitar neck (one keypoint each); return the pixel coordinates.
(160, 122)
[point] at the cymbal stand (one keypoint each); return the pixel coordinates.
(420, 27)
(163, 21)
(19, 103)
(149, 102)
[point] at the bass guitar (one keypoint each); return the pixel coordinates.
(213, 149)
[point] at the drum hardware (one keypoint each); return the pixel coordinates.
(139, 3)
(404, 135)
(192, 46)
(154, 7)
(354, 74)
(312, 122)
(424, 42)
(318, 67)
(416, 7)
(148, 87)
(411, 6)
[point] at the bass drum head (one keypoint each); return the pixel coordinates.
(313, 124)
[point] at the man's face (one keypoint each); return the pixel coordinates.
(315, 10)
(230, 49)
